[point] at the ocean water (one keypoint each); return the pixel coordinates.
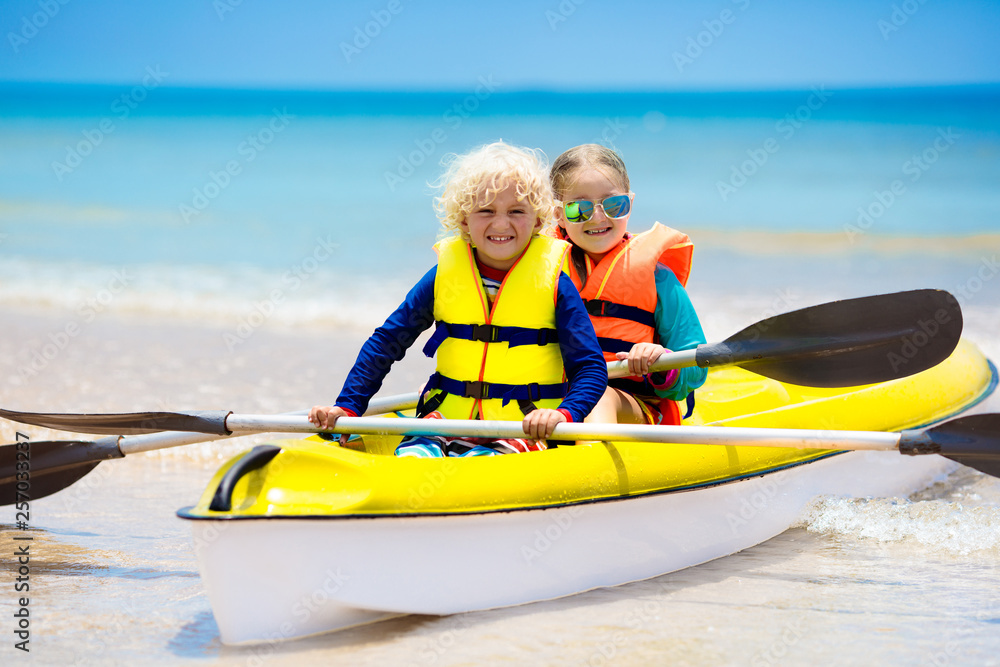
(193, 249)
(229, 196)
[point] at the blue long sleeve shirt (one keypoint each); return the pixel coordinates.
(586, 370)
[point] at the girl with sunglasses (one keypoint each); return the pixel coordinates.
(512, 338)
(632, 285)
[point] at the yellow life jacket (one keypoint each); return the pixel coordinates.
(496, 362)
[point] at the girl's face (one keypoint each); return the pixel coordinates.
(600, 234)
(502, 229)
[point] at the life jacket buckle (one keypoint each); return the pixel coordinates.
(477, 390)
(598, 307)
(485, 333)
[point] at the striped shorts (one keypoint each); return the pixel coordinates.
(434, 446)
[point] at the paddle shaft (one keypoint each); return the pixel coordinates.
(972, 441)
(704, 435)
(134, 444)
(666, 362)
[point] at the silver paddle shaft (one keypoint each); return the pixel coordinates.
(704, 435)
(133, 444)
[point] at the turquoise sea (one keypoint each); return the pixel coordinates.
(168, 248)
(238, 193)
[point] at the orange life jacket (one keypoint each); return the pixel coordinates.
(620, 292)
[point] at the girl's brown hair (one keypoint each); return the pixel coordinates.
(592, 155)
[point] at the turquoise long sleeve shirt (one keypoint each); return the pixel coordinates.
(678, 327)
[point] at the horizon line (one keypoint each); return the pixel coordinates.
(597, 90)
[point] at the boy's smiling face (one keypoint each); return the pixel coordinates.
(501, 230)
(600, 234)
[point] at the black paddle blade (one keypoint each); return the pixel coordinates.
(133, 423)
(847, 343)
(47, 466)
(973, 441)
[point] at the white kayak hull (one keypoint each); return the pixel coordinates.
(272, 579)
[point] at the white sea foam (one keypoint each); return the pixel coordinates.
(957, 516)
(228, 296)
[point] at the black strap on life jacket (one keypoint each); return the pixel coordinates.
(524, 394)
(434, 402)
(489, 333)
(424, 408)
(599, 308)
(602, 308)
(614, 345)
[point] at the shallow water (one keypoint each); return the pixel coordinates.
(114, 579)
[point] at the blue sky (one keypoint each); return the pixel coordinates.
(555, 44)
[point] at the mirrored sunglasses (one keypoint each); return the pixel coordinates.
(582, 210)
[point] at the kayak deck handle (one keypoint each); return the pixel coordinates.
(256, 458)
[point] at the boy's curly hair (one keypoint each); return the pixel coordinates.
(476, 178)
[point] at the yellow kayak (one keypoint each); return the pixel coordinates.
(314, 477)
(378, 536)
